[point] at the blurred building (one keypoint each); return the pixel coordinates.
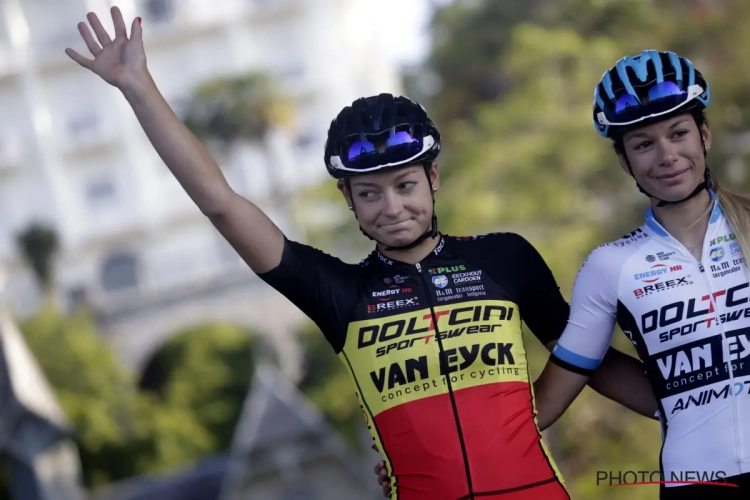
(73, 155)
(36, 438)
(283, 449)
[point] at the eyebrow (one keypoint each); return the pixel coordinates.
(374, 184)
(644, 134)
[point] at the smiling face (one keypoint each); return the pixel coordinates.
(667, 157)
(394, 207)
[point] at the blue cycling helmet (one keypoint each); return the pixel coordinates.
(646, 88)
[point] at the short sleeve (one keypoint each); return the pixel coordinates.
(543, 307)
(320, 285)
(593, 313)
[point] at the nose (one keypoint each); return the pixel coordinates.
(667, 152)
(392, 205)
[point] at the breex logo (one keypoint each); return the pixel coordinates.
(717, 254)
(395, 360)
(684, 317)
(392, 304)
(664, 285)
(734, 248)
(440, 281)
(657, 272)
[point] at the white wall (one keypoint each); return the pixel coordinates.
(87, 167)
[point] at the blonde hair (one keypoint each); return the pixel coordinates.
(736, 209)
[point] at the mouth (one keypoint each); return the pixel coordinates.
(396, 225)
(672, 175)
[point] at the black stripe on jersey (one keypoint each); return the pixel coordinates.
(630, 327)
(571, 368)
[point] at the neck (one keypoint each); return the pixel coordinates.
(687, 222)
(413, 255)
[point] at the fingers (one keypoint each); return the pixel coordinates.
(383, 477)
(386, 490)
(83, 29)
(86, 63)
(136, 33)
(378, 467)
(101, 33)
(119, 22)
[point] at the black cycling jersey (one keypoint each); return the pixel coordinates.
(436, 355)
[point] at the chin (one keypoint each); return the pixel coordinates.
(676, 193)
(399, 238)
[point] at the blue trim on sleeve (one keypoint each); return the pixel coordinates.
(575, 359)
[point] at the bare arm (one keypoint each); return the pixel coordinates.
(122, 63)
(619, 377)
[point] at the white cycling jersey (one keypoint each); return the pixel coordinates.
(689, 322)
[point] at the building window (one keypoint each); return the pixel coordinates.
(83, 125)
(119, 272)
(159, 10)
(99, 190)
(76, 296)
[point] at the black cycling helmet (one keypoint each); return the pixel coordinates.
(379, 133)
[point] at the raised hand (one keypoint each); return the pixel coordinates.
(119, 62)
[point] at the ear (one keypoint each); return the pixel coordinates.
(707, 136)
(341, 185)
(435, 175)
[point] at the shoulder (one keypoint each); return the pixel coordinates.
(608, 259)
(303, 261)
(502, 241)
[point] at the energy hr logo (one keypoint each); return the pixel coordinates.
(641, 478)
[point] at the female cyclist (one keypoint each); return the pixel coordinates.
(677, 286)
(429, 326)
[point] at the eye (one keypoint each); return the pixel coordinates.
(643, 145)
(679, 134)
(366, 194)
(407, 185)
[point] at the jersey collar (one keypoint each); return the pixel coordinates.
(659, 230)
(437, 252)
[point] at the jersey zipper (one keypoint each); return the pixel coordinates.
(447, 379)
(728, 364)
(724, 343)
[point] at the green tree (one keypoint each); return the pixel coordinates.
(521, 154)
(230, 111)
(120, 432)
(38, 244)
(205, 372)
